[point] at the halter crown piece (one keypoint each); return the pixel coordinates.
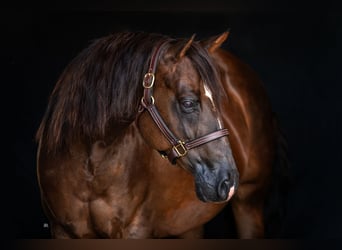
(179, 148)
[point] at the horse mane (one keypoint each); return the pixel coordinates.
(100, 89)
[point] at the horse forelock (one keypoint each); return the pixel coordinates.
(204, 65)
(99, 91)
(207, 70)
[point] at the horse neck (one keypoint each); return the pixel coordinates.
(248, 112)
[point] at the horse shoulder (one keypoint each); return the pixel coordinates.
(63, 180)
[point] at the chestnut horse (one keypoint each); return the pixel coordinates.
(134, 142)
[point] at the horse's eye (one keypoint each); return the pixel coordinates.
(188, 106)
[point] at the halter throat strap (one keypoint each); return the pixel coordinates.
(179, 148)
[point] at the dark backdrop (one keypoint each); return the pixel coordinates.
(295, 46)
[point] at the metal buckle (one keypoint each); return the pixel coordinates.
(180, 148)
(148, 80)
(147, 104)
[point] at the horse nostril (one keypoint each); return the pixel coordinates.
(229, 177)
(223, 189)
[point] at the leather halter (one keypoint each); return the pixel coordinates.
(179, 148)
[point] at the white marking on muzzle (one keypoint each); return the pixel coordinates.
(231, 193)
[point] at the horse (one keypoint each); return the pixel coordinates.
(148, 136)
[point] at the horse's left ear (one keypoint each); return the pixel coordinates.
(186, 47)
(215, 42)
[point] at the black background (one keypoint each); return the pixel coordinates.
(295, 46)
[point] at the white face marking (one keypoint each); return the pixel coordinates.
(210, 96)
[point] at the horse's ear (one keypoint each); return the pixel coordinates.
(215, 42)
(186, 47)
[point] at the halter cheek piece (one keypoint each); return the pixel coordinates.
(179, 148)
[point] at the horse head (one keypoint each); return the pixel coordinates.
(182, 93)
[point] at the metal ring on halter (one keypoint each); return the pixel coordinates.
(145, 104)
(148, 80)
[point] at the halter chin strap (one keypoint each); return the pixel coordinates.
(179, 148)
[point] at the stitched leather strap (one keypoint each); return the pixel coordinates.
(205, 139)
(173, 153)
(158, 120)
(149, 77)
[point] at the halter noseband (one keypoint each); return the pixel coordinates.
(179, 148)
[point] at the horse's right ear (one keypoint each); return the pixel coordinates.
(214, 43)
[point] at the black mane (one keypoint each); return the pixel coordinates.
(101, 88)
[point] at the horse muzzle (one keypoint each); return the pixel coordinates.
(216, 186)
